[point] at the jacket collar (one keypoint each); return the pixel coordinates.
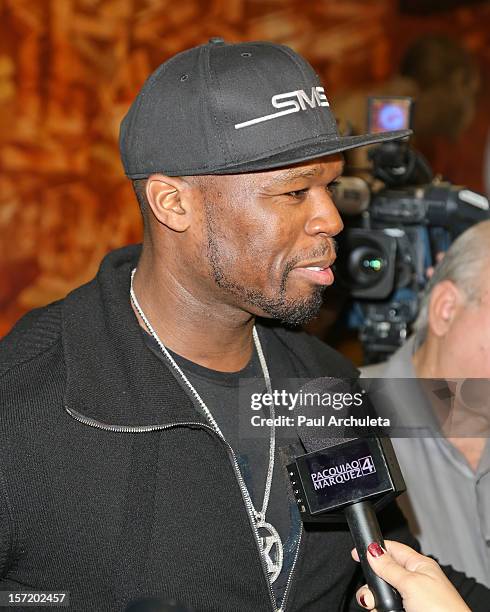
(112, 377)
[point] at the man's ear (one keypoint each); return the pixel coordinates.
(169, 198)
(445, 301)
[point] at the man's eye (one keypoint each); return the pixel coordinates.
(330, 188)
(298, 193)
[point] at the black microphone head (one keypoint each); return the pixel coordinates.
(313, 442)
(334, 410)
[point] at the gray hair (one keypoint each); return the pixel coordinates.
(463, 264)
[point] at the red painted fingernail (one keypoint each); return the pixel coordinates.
(375, 550)
(362, 601)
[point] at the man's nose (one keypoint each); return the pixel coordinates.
(324, 218)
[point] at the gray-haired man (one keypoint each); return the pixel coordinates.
(447, 468)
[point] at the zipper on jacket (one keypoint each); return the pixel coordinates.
(288, 584)
(245, 495)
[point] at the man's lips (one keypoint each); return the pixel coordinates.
(319, 273)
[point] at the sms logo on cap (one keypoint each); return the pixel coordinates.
(293, 101)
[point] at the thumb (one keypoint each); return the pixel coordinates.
(385, 566)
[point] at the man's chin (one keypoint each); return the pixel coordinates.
(294, 312)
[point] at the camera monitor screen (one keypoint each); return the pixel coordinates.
(386, 114)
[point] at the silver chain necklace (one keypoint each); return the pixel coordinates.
(271, 540)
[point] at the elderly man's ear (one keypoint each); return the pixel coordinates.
(170, 201)
(445, 302)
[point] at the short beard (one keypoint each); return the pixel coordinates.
(288, 311)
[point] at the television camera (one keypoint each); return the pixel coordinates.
(402, 220)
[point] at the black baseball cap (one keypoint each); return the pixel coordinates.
(228, 108)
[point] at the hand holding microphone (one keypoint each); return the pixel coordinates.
(419, 580)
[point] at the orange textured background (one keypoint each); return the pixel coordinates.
(69, 69)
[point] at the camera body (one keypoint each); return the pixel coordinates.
(386, 249)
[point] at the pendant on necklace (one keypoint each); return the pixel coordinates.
(271, 546)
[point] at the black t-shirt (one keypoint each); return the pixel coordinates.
(227, 396)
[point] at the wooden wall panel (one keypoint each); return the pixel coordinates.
(68, 71)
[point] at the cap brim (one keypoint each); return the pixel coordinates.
(313, 149)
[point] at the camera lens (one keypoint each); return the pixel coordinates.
(366, 263)
(366, 266)
(372, 264)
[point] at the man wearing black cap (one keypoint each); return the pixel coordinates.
(122, 471)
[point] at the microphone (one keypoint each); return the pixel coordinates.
(349, 480)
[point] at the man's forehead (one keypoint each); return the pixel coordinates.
(310, 170)
(327, 166)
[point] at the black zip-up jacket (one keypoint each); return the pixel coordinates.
(112, 487)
